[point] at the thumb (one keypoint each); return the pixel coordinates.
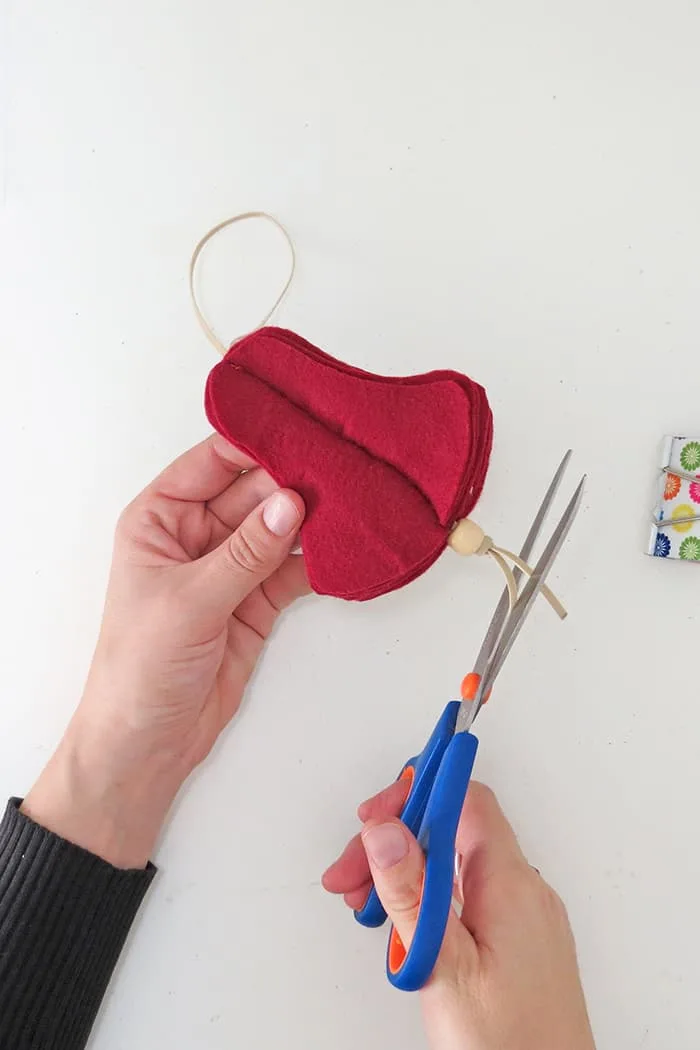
(228, 574)
(396, 863)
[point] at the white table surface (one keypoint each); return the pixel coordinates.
(507, 189)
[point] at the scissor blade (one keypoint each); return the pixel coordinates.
(525, 602)
(499, 616)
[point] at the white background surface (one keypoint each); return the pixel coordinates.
(508, 189)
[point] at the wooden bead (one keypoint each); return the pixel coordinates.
(468, 538)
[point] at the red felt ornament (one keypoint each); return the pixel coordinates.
(386, 465)
(389, 467)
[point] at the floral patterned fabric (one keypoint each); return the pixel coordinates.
(678, 499)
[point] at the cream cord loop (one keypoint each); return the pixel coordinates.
(206, 327)
(468, 538)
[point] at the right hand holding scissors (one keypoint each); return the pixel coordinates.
(507, 974)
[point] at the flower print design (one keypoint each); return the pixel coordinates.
(673, 486)
(684, 510)
(694, 490)
(662, 547)
(690, 456)
(690, 548)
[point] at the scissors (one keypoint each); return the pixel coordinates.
(440, 774)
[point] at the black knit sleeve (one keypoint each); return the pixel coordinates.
(64, 916)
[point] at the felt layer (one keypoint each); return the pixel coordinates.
(385, 465)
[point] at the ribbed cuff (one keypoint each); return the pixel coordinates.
(64, 917)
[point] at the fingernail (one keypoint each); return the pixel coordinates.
(280, 514)
(221, 445)
(229, 452)
(386, 845)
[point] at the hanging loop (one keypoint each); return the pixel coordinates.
(204, 324)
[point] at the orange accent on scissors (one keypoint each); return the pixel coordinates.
(470, 687)
(408, 774)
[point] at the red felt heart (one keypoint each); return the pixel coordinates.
(385, 465)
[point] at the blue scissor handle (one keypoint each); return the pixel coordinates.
(410, 970)
(424, 769)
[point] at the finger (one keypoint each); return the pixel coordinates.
(222, 579)
(491, 856)
(356, 899)
(288, 583)
(483, 827)
(388, 803)
(351, 870)
(263, 605)
(235, 503)
(202, 472)
(396, 863)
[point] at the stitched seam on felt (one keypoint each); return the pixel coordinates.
(465, 497)
(348, 440)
